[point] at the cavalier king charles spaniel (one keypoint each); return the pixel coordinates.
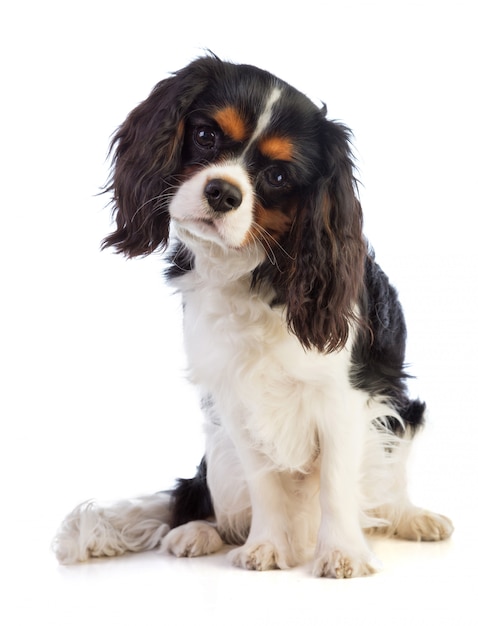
(293, 333)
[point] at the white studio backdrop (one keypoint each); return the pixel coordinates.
(95, 402)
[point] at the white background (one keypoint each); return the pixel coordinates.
(94, 401)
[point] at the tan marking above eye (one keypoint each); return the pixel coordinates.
(231, 123)
(277, 148)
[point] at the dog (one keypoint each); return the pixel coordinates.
(293, 333)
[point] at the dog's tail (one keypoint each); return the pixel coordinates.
(135, 525)
(92, 529)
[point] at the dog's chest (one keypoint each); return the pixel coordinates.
(241, 352)
(228, 330)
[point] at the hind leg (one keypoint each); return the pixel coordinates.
(192, 539)
(416, 524)
(402, 518)
(405, 520)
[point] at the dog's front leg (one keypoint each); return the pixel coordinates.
(268, 545)
(342, 551)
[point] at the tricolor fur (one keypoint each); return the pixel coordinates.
(292, 331)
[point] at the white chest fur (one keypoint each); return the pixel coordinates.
(262, 380)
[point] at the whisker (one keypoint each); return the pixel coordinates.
(266, 236)
(256, 228)
(164, 196)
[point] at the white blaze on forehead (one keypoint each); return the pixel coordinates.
(265, 116)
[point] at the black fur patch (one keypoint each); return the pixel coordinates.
(191, 498)
(379, 351)
(181, 260)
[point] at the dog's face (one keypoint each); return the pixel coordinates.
(236, 157)
(248, 155)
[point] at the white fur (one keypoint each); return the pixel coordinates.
(192, 539)
(300, 463)
(92, 530)
(265, 116)
(281, 417)
(191, 211)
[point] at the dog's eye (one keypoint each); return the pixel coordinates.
(276, 176)
(205, 137)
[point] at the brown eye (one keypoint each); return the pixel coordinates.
(205, 137)
(276, 176)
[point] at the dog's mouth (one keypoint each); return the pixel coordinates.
(199, 228)
(203, 217)
(204, 231)
(194, 223)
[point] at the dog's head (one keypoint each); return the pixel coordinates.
(237, 157)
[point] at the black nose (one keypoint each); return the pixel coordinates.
(222, 196)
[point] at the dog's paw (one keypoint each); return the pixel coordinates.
(422, 525)
(343, 564)
(192, 539)
(258, 556)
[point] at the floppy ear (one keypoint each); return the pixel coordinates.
(328, 247)
(146, 156)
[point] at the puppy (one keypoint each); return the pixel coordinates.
(293, 332)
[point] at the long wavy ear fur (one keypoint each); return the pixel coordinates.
(146, 156)
(326, 277)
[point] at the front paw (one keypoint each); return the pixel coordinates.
(345, 564)
(258, 556)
